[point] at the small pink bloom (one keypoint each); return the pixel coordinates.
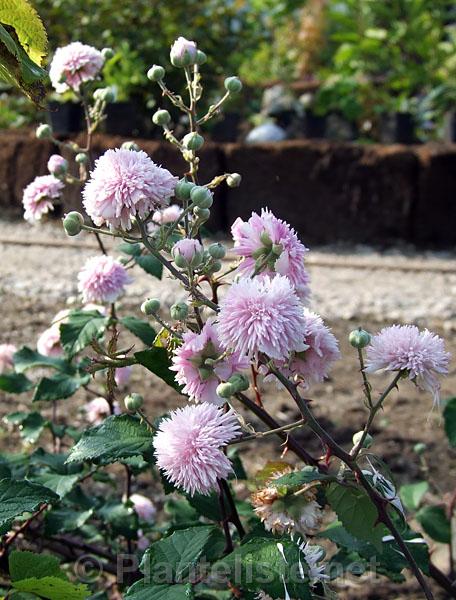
(144, 508)
(142, 542)
(102, 279)
(269, 245)
(73, 65)
(126, 183)
(98, 409)
(262, 315)
(48, 343)
(420, 354)
(183, 51)
(200, 380)
(57, 165)
(187, 252)
(122, 376)
(167, 215)
(7, 352)
(38, 196)
(188, 446)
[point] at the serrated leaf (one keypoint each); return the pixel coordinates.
(300, 478)
(156, 360)
(63, 520)
(25, 564)
(435, 523)
(28, 26)
(140, 328)
(18, 497)
(145, 591)
(116, 438)
(59, 386)
(181, 552)
(150, 265)
(15, 383)
(357, 513)
(26, 358)
(80, 329)
(412, 494)
(449, 415)
(60, 484)
(53, 588)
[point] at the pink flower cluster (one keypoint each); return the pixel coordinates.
(269, 245)
(199, 368)
(420, 354)
(125, 184)
(7, 352)
(38, 196)
(102, 279)
(188, 446)
(73, 65)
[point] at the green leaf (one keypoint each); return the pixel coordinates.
(28, 26)
(206, 506)
(151, 265)
(412, 494)
(140, 328)
(24, 564)
(15, 383)
(122, 519)
(65, 519)
(60, 484)
(156, 360)
(357, 513)
(449, 414)
(300, 478)
(145, 591)
(435, 523)
(81, 327)
(180, 553)
(116, 438)
(130, 249)
(53, 588)
(59, 386)
(26, 358)
(31, 427)
(18, 497)
(265, 564)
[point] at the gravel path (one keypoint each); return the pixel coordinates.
(354, 283)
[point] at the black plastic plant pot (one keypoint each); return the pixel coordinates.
(66, 117)
(404, 130)
(121, 118)
(314, 125)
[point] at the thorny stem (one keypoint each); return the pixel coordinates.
(262, 434)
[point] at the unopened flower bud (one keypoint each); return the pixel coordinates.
(201, 197)
(179, 311)
(150, 306)
(133, 402)
(233, 180)
(367, 442)
(359, 338)
(57, 165)
(161, 118)
(193, 141)
(81, 158)
(43, 131)
(265, 239)
(202, 214)
(130, 145)
(107, 53)
(73, 222)
(225, 390)
(156, 73)
(419, 448)
(201, 57)
(187, 253)
(214, 267)
(183, 189)
(106, 94)
(239, 381)
(233, 85)
(183, 53)
(217, 250)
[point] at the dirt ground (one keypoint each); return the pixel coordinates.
(406, 420)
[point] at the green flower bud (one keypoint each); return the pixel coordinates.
(233, 85)
(161, 118)
(150, 306)
(367, 442)
(81, 158)
(202, 214)
(133, 402)
(130, 145)
(193, 141)
(201, 197)
(359, 338)
(106, 94)
(183, 189)
(179, 311)
(201, 57)
(225, 390)
(107, 53)
(419, 448)
(240, 382)
(156, 73)
(214, 267)
(73, 222)
(43, 131)
(234, 180)
(217, 250)
(265, 239)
